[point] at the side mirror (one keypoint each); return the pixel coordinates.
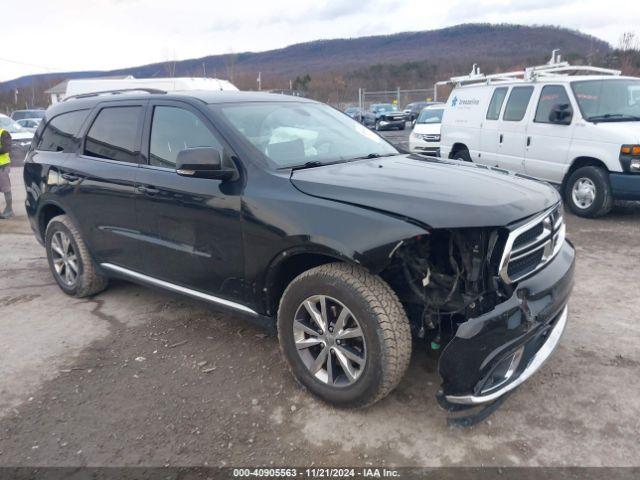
(202, 162)
(561, 114)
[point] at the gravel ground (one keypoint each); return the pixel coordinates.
(141, 377)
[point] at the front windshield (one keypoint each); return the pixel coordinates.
(430, 115)
(384, 107)
(10, 126)
(610, 100)
(296, 133)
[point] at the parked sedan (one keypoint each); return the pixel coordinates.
(30, 124)
(20, 139)
(384, 116)
(354, 112)
(22, 114)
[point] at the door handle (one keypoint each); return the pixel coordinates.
(528, 141)
(147, 189)
(501, 138)
(70, 177)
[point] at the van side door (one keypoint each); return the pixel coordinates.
(549, 134)
(191, 228)
(489, 135)
(512, 129)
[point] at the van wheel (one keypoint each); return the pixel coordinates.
(462, 155)
(344, 334)
(69, 259)
(588, 192)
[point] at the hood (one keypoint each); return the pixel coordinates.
(427, 128)
(437, 193)
(612, 132)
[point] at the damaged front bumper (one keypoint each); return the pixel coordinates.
(494, 353)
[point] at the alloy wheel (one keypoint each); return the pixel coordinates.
(329, 341)
(65, 260)
(583, 193)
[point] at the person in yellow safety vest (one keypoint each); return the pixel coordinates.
(5, 181)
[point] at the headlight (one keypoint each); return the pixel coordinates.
(630, 158)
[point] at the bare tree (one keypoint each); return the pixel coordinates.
(170, 63)
(230, 65)
(629, 52)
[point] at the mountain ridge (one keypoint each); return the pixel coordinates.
(499, 45)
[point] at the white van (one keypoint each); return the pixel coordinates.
(580, 132)
(92, 85)
(425, 137)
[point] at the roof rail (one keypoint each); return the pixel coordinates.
(115, 92)
(554, 67)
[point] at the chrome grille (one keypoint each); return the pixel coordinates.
(532, 245)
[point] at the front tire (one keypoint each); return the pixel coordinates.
(378, 126)
(344, 334)
(588, 192)
(69, 260)
(462, 155)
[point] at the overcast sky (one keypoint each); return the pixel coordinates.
(105, 34)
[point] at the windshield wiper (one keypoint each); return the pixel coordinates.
(613, 117)
(312, 164)
(373, 155)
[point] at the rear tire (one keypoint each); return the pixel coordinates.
(588, 192)
(462, 155)
(71, 265)
(383, 347)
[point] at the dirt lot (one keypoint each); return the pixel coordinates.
(141, 377)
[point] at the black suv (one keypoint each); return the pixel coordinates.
(286, 211)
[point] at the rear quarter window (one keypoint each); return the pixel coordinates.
(60, 134)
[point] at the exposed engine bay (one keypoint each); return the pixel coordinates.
(446, 277)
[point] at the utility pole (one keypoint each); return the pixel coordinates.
(204, 70)
(259, 80)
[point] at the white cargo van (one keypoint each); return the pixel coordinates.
(574, 126)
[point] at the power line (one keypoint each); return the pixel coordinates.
(6, 60)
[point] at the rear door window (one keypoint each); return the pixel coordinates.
(497, 99)
(60, 134)
(517, 104)
(552, 96)
(114, 134)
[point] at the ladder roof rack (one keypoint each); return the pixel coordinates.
(555, 67)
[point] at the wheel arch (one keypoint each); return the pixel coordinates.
(580, 162)
(47, 212)
(288, 265)
(457, 147)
